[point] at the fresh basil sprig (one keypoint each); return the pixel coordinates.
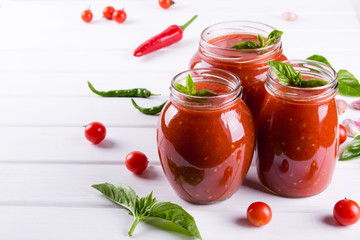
(191, 90)
(147, 207)
(271, 39)
(348, 84)
(352, 150)
(289, 77)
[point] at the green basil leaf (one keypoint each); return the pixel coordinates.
(297, 80)
(319, 58)
(175, 214)
(273, 37)
(348, 84)
(120, 194)
(144, 204)
(205, 93)
(190, 85)
(181, 88)
(261, 41)
(284, 72)
(310, 83)
(246, 45)
(352, 150)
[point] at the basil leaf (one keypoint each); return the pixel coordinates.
(205, 93)
(284, 72)
(261, 41)
(319, 58)
(144, 204)
(181, 88)
(190, 85)
(273, 37)
(246, 45)
(147, 207)
(298, 79)
(352, 150)
(175, 214)
(348, 84)
(310, 83)
(120, 194)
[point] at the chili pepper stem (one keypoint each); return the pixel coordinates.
(188, 23)
(155, 94)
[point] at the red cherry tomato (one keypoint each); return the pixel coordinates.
(108, 12)
(87, 16)
(259, 214)
(342, 133)
(119, 16)
(165, 4)
(136, 162)
(346, 212)
(95, 132)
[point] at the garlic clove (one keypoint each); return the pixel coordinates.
(352, 127)
(356, 105)
(341, 106)
(289, 16)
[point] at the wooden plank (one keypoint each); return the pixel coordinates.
(66, 145)
(93, 223)
(78, 111)
(74, 111)
(70, 185)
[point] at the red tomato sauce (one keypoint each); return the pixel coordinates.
(297, 145)
(251, 69)
(206, 152)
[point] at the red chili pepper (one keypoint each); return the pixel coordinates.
(169, 36)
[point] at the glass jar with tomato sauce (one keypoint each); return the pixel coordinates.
(249, 64)
(297, 139)
(206, 144)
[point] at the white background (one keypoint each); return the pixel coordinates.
(47, 55)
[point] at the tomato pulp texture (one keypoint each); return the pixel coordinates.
(206, 153)
(251, 71)
(297, 144)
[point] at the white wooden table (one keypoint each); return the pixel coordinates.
(47, 55)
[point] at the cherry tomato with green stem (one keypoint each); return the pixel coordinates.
(346, 212)
(136, 162)
(95, 132)
(86, 15)
(165, 4)
(119, 16)
(259, 214)
(342, 134)
(108, 12)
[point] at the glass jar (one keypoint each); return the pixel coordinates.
(206, 144)
(297, 140)
(249, 65)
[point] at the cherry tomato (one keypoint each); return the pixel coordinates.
(165, 4)
(108, 12)
(346, 212)
(87, 16)
(95, 132)
(342, 133)
(136, 162)
(119, 16)
(259, 214)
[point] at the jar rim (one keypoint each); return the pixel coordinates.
(197, 101)
(243, 22)
(322, 70)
